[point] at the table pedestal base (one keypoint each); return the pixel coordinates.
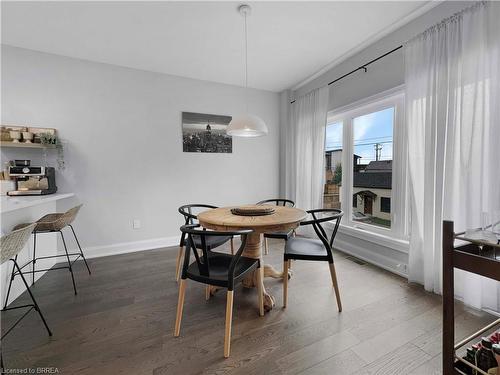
(253, 249)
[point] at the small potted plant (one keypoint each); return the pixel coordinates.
(53, 139)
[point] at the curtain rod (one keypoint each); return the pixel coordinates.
(362, 67)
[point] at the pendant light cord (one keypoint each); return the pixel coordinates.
(246, 64)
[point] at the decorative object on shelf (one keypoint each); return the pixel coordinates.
(253, 210)
(9, 136)
(53, 139)
(485, 358)
(246, 125)
(202, 132)
(5, 135)
(485, 355)
(15, 136)
(27, 137)
(30, 135)
(37, 131)
(480, 236)
(496, 352)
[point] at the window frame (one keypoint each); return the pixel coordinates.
(346, 114)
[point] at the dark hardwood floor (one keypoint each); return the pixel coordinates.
(121, 322)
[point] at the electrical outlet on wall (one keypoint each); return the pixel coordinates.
(402, 267)
(136, 224)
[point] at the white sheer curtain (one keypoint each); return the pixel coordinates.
(453, 134)
(305, 149)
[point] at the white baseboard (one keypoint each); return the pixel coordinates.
(370, 256)
(130, 247)
(348, 247)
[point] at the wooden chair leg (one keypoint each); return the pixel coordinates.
(232, 246)
(229, 319)
(266, 247)
(260, 289)
(286, 265)
(178, 263)
(333, 274)
(207, 292)
(180, 306)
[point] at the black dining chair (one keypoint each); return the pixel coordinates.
(301, 248)
(190, 214)
(218, 269)
(280, 235)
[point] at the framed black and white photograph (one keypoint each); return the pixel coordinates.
(203, 132)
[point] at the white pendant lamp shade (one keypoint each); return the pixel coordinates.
(247, 126)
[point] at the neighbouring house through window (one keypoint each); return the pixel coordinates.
(333, 163)
(359, 156)
(372, 168)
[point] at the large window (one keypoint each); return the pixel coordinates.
(372, 166)
(362, 164)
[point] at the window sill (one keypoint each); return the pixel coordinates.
(379, 239)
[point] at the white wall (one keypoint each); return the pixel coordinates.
(124, 142)
(385, 73)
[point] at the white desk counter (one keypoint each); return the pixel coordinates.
(9, 204)
(27, 209)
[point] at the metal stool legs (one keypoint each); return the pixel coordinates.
(69, 262)
(34, 259)
(79, 247)
(34, 305)
(70, 267)
(10, 284)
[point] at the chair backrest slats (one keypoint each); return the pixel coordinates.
(278, 202)
(202, 266)
(334, 232)
(329, 215)
(203, 263)
(191, 218)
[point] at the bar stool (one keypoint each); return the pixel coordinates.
(10, 246)
(49, 224)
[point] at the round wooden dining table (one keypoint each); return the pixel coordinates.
(283, 219)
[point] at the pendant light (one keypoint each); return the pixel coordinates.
(246, 125)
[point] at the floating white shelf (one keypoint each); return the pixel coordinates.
(24, 145)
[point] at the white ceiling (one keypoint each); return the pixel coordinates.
(288, 41)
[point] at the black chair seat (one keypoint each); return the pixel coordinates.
(280, 235)
(219, 266)
(211, 241)
(305, 249)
